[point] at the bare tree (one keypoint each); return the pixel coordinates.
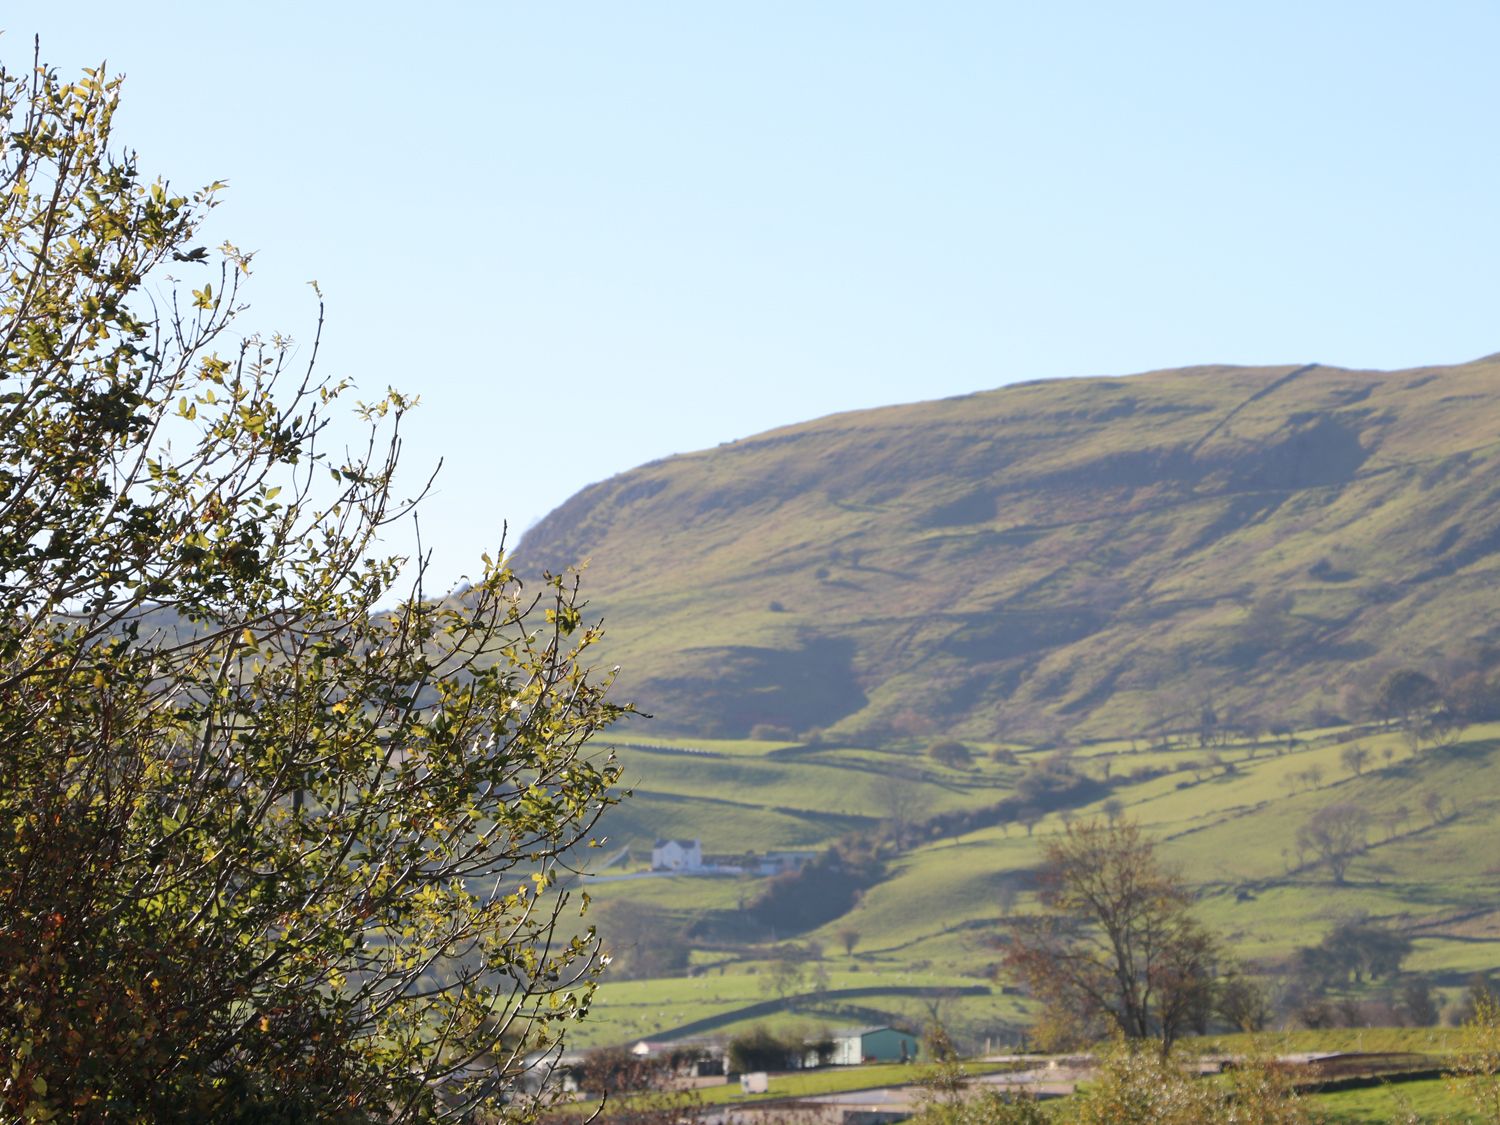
(818, 980)
(1432, 803)
(1117, 941)
(1243, 1002)
(1337, 834)
(1354, 757)
(903, 802)
(784, 977)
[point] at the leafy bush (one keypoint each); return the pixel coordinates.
(762, 1049)
(954, 755)
(280, 842)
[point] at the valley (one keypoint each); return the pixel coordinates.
(925, 936)
(1186, 599)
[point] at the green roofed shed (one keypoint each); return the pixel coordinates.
(854, 1045)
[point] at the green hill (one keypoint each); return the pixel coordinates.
(1087, 565)
(1066, 559)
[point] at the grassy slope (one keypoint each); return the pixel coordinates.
(1076, 559)
(930, 923)
(736, 797)
(1078, 554)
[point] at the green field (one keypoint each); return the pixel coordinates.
(1230, 823)
(1430, 1100)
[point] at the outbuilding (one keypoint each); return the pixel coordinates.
(855, 1045)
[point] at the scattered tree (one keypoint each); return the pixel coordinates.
(818, 980)
(1474, 697)
(1354, 757)
(903, 801)
(784, 977)
(950, 753)
(610, 1071)
(1432, 804)
(1417, 1005)
(1242, 1002)
(1336, 833)
(1118, 941)
(849, 938)
(1407, 697)
(1353, 950)
(1208, 722)
(1443, 728)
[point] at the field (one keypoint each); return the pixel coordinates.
(923, 936)
(1430, 1100)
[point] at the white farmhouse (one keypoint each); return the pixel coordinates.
(677, 855)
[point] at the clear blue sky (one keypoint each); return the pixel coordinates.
(594, 234)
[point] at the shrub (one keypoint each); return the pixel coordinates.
(761, 1049)
(950, 753)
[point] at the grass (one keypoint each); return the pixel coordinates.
(752, 801)
(935, 917)
(1161, 507)
(1427, 1100)
(629, 737)
(1382, 1040)
(631, 1010)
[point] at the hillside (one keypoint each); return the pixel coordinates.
(1073, 558)
(927, 931)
